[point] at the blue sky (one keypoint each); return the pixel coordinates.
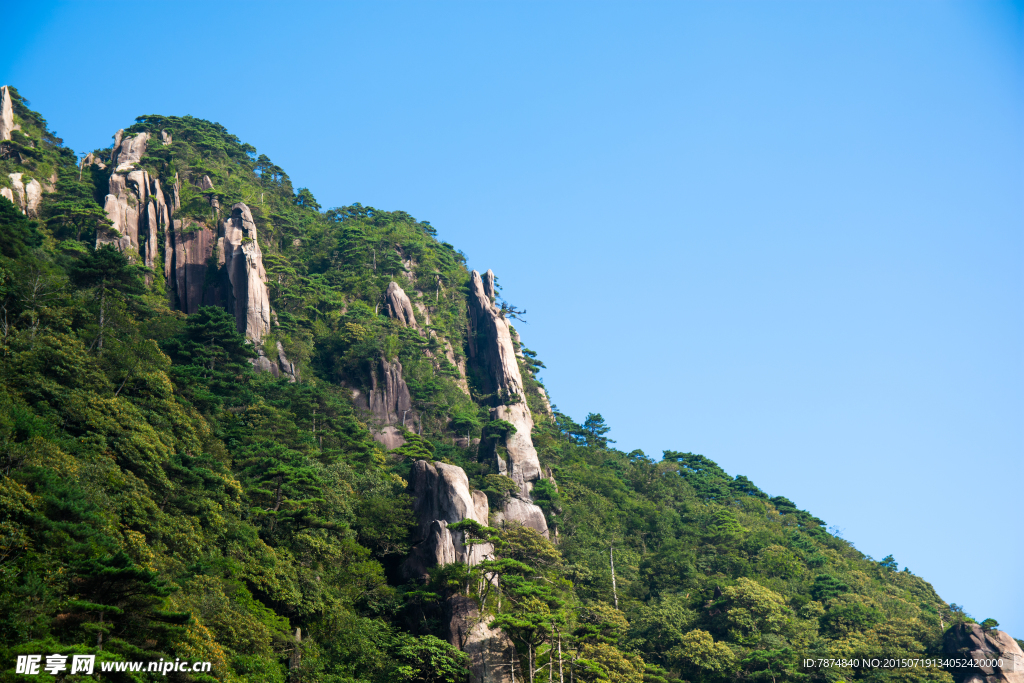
(787, 236)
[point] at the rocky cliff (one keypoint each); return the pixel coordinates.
(398, 306)
(135, 202)
(491, 349)
(243, 261)
(490, 346)
(389, 402)
(25, 195)
(7, 125)
(442, 497)
(974, 642)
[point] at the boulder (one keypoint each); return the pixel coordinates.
(6, 114)
(165, 137)
(26, 196)
(398, 306)
(248, 297)
(972, 641)
(524, 512)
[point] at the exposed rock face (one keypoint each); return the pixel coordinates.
(135, 202)
(389, 402)
(248, 298)
(490, 344)
(442, 497)
(129, 151)
(527, 514)
(6, 114)
(207, 185)
(398, 306)
(489, 650)
(970, 640)
(26, 196)
(289, 369)
(190, 250)
(165, 137)
(6, 192)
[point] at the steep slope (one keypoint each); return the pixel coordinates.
(308, 445)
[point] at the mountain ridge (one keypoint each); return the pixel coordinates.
(204, 328)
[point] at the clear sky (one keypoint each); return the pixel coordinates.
(787, 236)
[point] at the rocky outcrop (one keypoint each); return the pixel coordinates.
(398, 306)
(190, 248)
(7, 125)
(26, 196)
(490, 650)
(441, 496)
(389, 403)
(490, 346)
(165, 138)
(206, 185)
(525, 513)
(135, 202)
(247, 296)
(288, 369)
(974, 642)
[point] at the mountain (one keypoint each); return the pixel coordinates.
(308, 445)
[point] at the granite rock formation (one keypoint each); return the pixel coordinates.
(247, 296)
(441, 496)
(398, 306)
(490, 650)
(135, 202)
(7, 125)
(26, 196)
(490, 345)
(974, 642)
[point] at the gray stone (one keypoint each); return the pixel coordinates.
(516, 510)
(490, 650)
(165, 137)
(17, 190)
(248, 297)
(441, 496)
(490, 345)
(970, 640)
(389, 399)
(6, 114)
(398, 306)
(129, 151)
(287, 368)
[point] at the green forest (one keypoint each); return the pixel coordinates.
(161, 498)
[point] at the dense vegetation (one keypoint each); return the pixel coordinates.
(161, 499)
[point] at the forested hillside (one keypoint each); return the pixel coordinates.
(306, 445)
